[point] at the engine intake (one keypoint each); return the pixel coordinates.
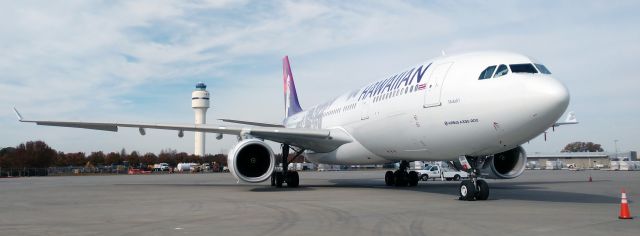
(505, 165)
(251, 160)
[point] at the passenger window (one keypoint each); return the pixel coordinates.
(543, 69)
(502, 70)
(487, 73)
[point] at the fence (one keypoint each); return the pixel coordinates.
(20, 172)
(68, 171)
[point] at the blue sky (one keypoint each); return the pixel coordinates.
(139, 60)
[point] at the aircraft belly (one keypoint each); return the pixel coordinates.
(348, 154)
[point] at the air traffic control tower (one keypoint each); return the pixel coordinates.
(200, 104)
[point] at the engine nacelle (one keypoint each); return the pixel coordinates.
(505, 165)
(251, 160)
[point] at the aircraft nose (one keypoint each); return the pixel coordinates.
(558, 95)
(552, 97)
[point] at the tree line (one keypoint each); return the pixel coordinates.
(37, 154)
(583, 147)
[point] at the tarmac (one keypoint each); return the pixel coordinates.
(540, 202)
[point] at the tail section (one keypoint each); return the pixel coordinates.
(291, 104)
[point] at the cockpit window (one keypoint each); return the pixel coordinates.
(543, 69)
(502, 70)
(523, 68)
(487, 73)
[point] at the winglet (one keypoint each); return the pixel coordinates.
(17, 114)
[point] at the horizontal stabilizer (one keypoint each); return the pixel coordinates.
(571, 120)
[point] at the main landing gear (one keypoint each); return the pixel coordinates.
(401, 177)
(474, 188)
(279, 177)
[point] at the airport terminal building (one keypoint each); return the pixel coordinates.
(582, 160)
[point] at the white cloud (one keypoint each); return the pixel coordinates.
(99, 60)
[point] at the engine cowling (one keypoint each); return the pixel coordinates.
(251, 160)
(505, 165)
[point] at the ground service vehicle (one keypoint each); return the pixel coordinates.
(435, 172)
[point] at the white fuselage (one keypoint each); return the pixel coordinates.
(448, 113)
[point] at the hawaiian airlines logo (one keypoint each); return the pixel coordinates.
(411, 77)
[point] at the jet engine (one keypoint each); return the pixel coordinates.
(251, 160)
(505, 165)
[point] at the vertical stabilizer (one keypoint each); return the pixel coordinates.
(291, 104)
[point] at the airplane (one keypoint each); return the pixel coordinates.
(475, 109)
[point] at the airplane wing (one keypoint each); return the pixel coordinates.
(250, 123)
(318, 140)
(571, 120)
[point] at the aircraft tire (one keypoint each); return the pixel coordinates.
(293, 179)
(483, 190)
(389, 178)
(467, 191)
(273, 179)
(279, 179)
(413, 178)
(400, 178)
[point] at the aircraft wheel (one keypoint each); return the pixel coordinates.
(389, 178)
(413, 178)
(279, 179)
(401, 179)
(273, 179)
(467, 191)
(483, 190)
(293, 179)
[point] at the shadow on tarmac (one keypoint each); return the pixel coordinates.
(526, 191)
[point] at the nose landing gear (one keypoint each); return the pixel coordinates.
(474, 188)
(401, 178)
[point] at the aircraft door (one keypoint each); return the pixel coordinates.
(364, 110)
(434, 85)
